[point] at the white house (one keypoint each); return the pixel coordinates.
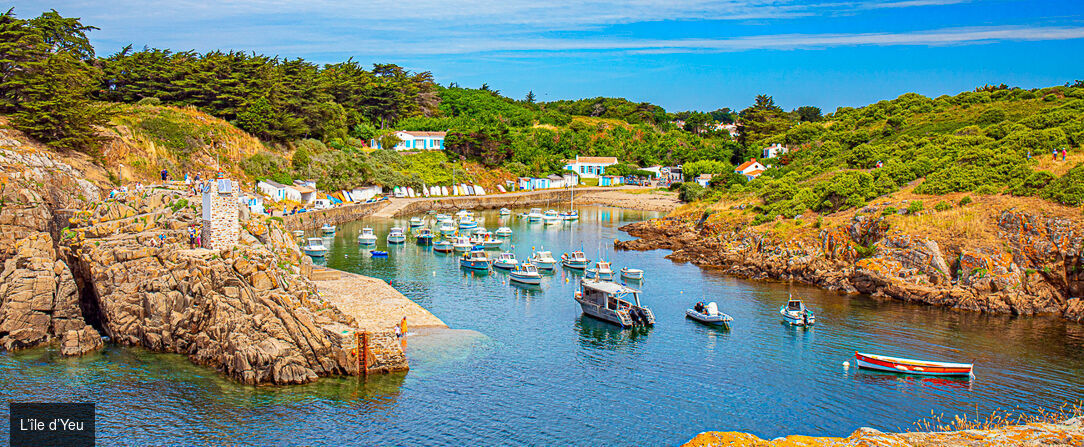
(656, 171)
(750, 169)
(590, 167)
(306, 190)
(773, 151)
(365, 193)
(556, 181)
(704, 179)
(277, 191)
(731, 128)
(415, 140)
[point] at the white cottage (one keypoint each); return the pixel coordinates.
(277, 191)
(590, 167)
(414, 140)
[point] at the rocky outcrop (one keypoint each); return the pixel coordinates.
(1034, 268)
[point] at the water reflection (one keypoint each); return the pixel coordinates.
(902, 381)
(600, 334)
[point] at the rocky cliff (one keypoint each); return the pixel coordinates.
(1032, 266)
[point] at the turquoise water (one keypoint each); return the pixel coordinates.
(524, 367)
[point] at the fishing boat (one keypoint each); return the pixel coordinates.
(441, 216)
(327, 229)
(631, 273)
(443, 247)
(504, 231)
(709, 314)
(505, 211)
(535, 215)
(525, 273)
(543, 260)
(795, 313)
(425, 236)
(551, 217)
(462, 243)
(416, 222)
(570, 215)
(462, 213)
(911, 366)
(396, 236)
(378, 254)
(299, 233)
(612, 302)
(367, 237)
(575, 260)
(447, 227)
(475, 260)
(602, 271)
(315, 247)
(467, 222)
(506, 260)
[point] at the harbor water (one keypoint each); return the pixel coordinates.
(523, 366)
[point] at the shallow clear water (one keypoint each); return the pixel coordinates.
(527, 368)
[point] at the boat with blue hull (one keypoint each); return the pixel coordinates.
(475, 260)
(575, 260)
(425, 236)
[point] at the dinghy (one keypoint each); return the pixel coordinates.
(911, 366)
(367, 237)
(443, 247)
(795, 313)
(526, 273)
(378, 254)
(709, 314)
(631, 273)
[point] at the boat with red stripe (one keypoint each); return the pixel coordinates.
(911, 366)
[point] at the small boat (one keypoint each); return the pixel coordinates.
(525, 273)
(462, 213)
(543, 260)
(504, 231)
(575, 260)
(570, 215)
(551, 217)
(442, 217)
(505, 211)
(506, 260)
(443, 247)
(367, 237)
(910, 366)
(315, 247)
(299, 233)
(396, 236)
(631, 273)
(475, 260)
(327, 229)
(425, 236)
(416, 222)
(535, 215)
(467, 222)
(612, 302)
(709, 314)
(602, 271)
(378, 254)
(447, 227)
(462, 243)
(795, 313)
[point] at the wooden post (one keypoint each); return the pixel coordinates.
(357, 351)
(365, 340)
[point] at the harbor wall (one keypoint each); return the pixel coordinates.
(514, 200)
(333, 216)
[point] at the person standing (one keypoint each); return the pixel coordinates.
(1055, 153)
(1064, 153)
(1029, 154)
(165, 174)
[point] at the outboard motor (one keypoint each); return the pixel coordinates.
(637, 316)
(805, 317)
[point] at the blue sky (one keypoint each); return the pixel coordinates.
(700, 54)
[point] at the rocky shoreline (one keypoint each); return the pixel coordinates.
(1035, 266)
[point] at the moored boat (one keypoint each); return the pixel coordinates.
(570, 215)
(535, 215)
(575, 260)
(443, 247)
(475, 260)
(709, 314)
(912, 366)
(551, 217)
(447, 227)
(367, 237)
(416, 222)
(795, 313)
(327, 229)
(425, 236)
(506, 260)
(631, 273)
(378, 254)
(396, 236)
(462, 243)
(525, 273)
(315, 247)
(504, 231)
(543, 260)
(602, 271)
(505, 211)
(467, 222)
(612, 302)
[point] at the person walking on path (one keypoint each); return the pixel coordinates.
(1055, 153)
(1029, 154)
(1064, 153)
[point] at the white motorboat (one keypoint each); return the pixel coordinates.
(367, 237)
(416, 222)
(602, 271)
(543, 260)
(535, 215)
(299, 233)
(447, 227)
(504, 231)
(443, 247)
(442, 217)
(631, 273)
(467, 222)
(526, 273)
(612, 302)
(424, 236)
(396, 236)
(570, 215)
(575, 260)
(709, 314)
(551, 217)
(462, 243)
(505, 211)
(315, 247)
(327, 229)
(795, 313)
(506, 260)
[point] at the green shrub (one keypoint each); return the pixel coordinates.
(690, 192)
(888, 211)
(914, 206)
(149, 101)
(966, 200)
(176, 206)
(986, 190)
(942, 206)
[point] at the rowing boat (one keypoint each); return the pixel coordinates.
(911, 366)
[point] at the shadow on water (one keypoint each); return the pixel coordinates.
(600, 334)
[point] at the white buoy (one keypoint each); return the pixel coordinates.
(846, 365)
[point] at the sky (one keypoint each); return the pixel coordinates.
(682, 55)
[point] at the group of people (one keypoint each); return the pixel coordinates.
(1054, 154)
(194, 237)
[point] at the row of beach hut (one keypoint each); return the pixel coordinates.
(438, 191)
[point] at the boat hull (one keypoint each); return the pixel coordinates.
(442, 248)
(396, 240)
(367, 241)
(603, 276)
(474, 265)
(797, 319)
(639, 274)
(715, 320)
(909, 366)
(525, 279)
(425, 240)
(502, 265)
(316, 253)
(544, 265)
(578, 265)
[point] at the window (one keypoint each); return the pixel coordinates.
(419, 144)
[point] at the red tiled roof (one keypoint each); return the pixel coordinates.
(754, 173)
(595, 160)
(418, 133)
(745, 165)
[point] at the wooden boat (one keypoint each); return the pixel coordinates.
(602, 271)
(551, 217)
(709, 314)
(378, 254)
(443, 247)
(504, 231)
(575, 260)
(328, 229)
(911, 366)
(525, 273)
(396, 236)
(315, 247)
(425, 236)
(631, 273)
(795, 313)
(543, 260)
(416, 222)
(535, 215)
(367, 237)
(612, 302)
(506, 260)
(475, 260)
